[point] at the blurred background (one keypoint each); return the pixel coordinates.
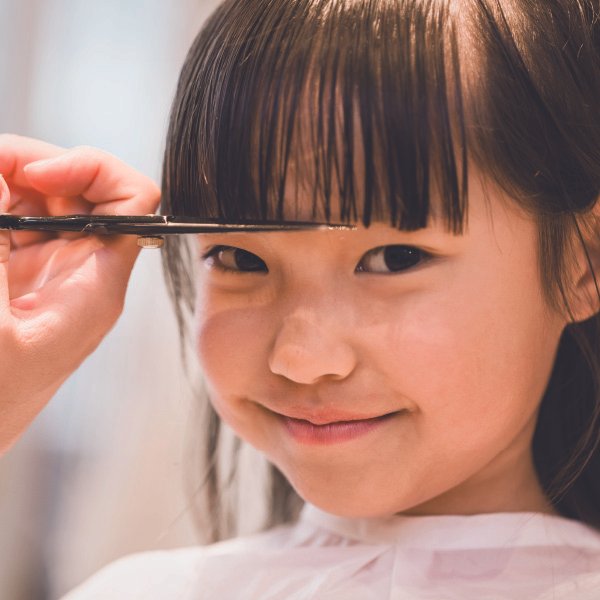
(99, 474)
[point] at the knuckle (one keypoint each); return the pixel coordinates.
(153, 193)
(90, 154)
(87, 151)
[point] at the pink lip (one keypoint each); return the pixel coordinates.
(331, 433)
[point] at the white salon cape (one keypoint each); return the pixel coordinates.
(516, 556)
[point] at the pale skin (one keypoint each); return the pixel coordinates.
(59, 294)
(462, 345)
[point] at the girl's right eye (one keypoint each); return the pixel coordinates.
(233, 260)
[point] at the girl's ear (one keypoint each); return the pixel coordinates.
(585, 297)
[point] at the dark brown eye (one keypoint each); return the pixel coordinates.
(236, 260)
(391, 259)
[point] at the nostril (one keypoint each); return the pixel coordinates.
(311, 361)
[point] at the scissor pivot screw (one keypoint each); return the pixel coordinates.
(149, 241)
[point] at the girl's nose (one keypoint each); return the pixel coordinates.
(305, 351)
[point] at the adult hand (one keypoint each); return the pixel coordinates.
(60, 293)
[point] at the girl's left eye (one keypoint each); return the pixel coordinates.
(391, 259)
(233, 260)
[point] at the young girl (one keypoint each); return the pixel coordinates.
(425, 387)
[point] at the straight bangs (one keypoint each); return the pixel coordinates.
(321, 109)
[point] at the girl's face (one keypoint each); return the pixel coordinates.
(329, 326)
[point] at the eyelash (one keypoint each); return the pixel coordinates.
(213, 252)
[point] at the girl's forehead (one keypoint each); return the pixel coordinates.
(329, 158)
(301, 203)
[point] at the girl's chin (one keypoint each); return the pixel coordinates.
(338, 501)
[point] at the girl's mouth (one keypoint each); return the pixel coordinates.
(308, 433)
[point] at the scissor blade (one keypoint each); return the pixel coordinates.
(149, 224)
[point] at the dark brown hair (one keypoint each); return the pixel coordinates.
(407, 91)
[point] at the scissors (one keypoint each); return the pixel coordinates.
(152, 228)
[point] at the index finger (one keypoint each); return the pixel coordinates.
(16, 151)
(98, 177)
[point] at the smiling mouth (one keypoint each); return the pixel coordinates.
(323, 418)
(332, 432)
(326, 419)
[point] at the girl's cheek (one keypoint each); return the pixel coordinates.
(411, 327)
(229, 344)
(232, 355)
(428, 352)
